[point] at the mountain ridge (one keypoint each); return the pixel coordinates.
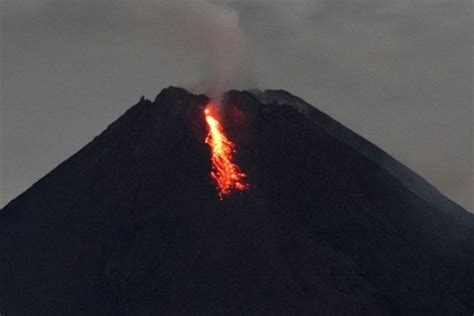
(132, 224)
(407, 176)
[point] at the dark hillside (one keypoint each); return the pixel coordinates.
(132, 224)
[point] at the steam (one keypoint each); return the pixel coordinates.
(207, 33)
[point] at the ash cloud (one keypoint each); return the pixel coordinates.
(397, 72)
(208, 33)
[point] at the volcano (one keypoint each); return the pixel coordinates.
(326, 223)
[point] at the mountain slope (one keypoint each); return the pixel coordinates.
(132, 224)
(410, 179)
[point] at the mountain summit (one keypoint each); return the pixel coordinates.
(328, 223)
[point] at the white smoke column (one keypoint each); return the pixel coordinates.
(228, 48)
(205, 32)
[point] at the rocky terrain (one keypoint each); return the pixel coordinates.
(331, 225)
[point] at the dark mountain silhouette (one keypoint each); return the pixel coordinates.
(132, 224)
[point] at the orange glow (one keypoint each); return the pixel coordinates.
(225, 172)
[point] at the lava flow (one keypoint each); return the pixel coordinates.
(225, 172)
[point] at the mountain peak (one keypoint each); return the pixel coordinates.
(133, 224)
(173, 92)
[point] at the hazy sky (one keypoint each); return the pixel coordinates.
(398, 72)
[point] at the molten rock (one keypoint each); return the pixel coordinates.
(225, 172)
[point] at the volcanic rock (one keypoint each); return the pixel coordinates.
(132, 224)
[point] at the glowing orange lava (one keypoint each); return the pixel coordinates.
(225, 172)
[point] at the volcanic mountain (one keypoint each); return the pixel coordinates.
(324, 222)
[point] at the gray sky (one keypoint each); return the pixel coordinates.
(398, 72)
